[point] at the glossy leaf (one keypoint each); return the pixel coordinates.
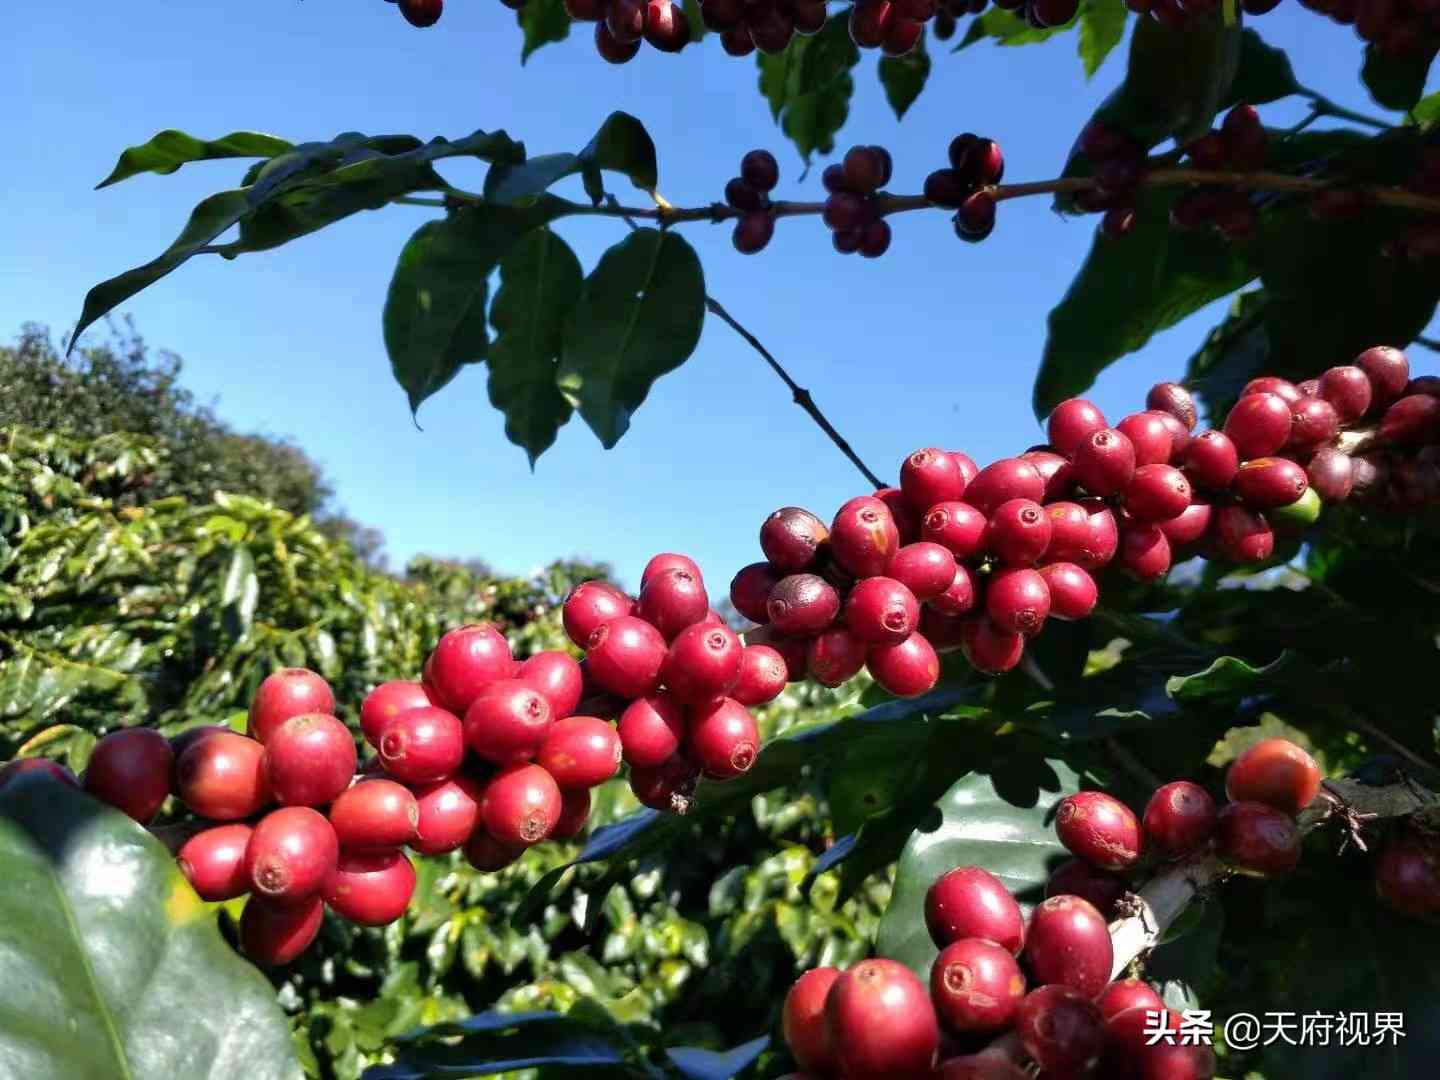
(903, 77)
(239, 593)
(809, 85)
(1263, 74)
(169, 150)
(1102, 27)
(1005, 28)
(620, 145)
(1396, 82)
(543, 22)
(1233, 353)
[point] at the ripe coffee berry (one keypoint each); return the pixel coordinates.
(1018, 532)
(1242, 535)
(971, 902)
(290, 855)
(1068, 942)
(1017, 601)
(1139, 1044)
(1257, 839)
(1211, 460)
(927, 569)
(956, 526)
(1269, 482)
(1313, 421)
(703, 663)
(753, 232)
(590, 605)
(976, 986)
(1187, 527)
(989, 648)
(960, 597)
(1055, 470)
(750, 590)
(423, 745)
(505, 724)
(274, 934)
(881, 611)
(371, 888)
(1125, 994)
(1259, 425)
(1172, 398)
(930, 476)
(668, 787)
(387, 701)
(448, 811)
(625, 655)
(557, 677)
(672, 600)
(374, 815)
(309, 760)
(1105, 462)
(1407, 878)
(1275, 772)
(666, 26)
(791, 539)
(1076, 877)
(907, 518)
(803, 1021)
(574, 813)
(907, 669)
(1157, 493)
(1270, 384)
(1348, 389)
(864, 537)
(881, 1022)
(130, 770)
(988, 1064)
(37, 767)
(1388, 372)
(760, 170)
(1073, 593)
(488, 855)
(1331, 474)
(286, 693)
(792, 650)
(1099, 829)
(1144, 552)
(669, 560)
(213, 862)
(975, 220)
(1411, 421)
(465, 662)
(1149, 435)
(1179, 818)
(1060, 1029)
(223, 777)
(836, 656)
(722, 739)
(651, 730)
(762, 675)
(521, 805)
(1179, 436)
(1072, 422)
(803, 604)
(1003, 480)
(580, 752)
(1084, 533)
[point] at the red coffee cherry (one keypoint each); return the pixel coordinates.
(130, 770)
(971, 902)
(580, 752)
(836, 656)
(881, 1022)
(1348, 389)
(722, 739)
(803, 604)
(1060, 1029)
(291, 854)
(907, 518)
(750, 590)
(791, 539)
(975, 220)
(506, 724)
(930, 476)
(1144, 552)
(574, 813)
(1211, 460)
(1073, 592)
(670, 560)
(763, 675)
(927, 569)
(760, 170)
(1172, 398)
(881, 611)
(1099, 829)
(464, 663)
(1388, 371)
(976, 986)
(1125, 994)
(1258, 425)
(557, 677)
(309, 760)
(863, 536)
(1105, 462)
(1084, 533)
(1179, 436)
(1136, 1048)
(737, 41)
(286, 693)
(960, 597)
(371, 888)
(213, 862)
(424, 745)
(1275, 772)
(625, 656)
(521, 805)
(626, 21)
(668, 787)
(1076, 877)
(651, 730)
(793, 650)
(488, 855)
(1001, 481)
(946, 187)
(1157, 493)
(1331, 473)
(703, 663)
(1068, 942)
(591, 605)
(274, 934)
(1271, 384)
(1179, 818)
(1269, 482)
(1411, 421)
(448, 812)
(1056, 471)
(15, 770)
(666, 26)
(907, 669)
(223, 777)
(956, 526)
(1017, 601)
(1187, 527)
(864, 169)
(1018, 532)
(1242, 535)
(967, 466)
(1407, 878)
(989, 648)
(386, 701)
(986, 1065)
(1257, 839)
(1071, 423)
(1313, 421)
(1149, 435)
(374, 815)
(672, 600)
(585, 10)
(803, 1021)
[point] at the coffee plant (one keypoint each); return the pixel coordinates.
(1124, 734)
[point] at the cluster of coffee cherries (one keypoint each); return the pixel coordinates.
(621, 26)
(1239, 145)
(750, 193)
(976, 164)
(852, 209)
(767, 25)
(1395, 27)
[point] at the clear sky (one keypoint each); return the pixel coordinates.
(936, 343)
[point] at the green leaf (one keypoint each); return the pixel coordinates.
(1232, 354)
(1129, 289)
(991, 821)
(809, 86)
(435, 311)
(696, 1064)
(1102, 27)
(540, 280)
(1005, 28)
(544, 21)
(105, 947)
(621, 145)
(903, 77)
(239, 593)
(1263, 74)
(1230, 678)
(169, 150)
(638, 317)
(1396, 82)
(698, 29)
(1427, 110)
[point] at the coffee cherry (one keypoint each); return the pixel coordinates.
(1068, 942)
(1313, 421)
(1141, 1045)
(881, 611)
(1055, 470)
(966, 463)
(1084, 533)
(465, 662)
(1270, 384)
(585, 10)
(802, 1019)
(273, 934)
(1267, 483)
(1073, 593)
(930, 476)
(1411, 421)
(1125, 994)
(506, 724)
(760, 170)
(1179, 818)
(762, 675)
(1105, 462)
(1076, 877)
(1407, 878)
(580, 752)
(290, 854)
(1309, 388)
(557, 677)
(874, 240)
(737, 41)
(956, 526)
(864, 169)
(793, 650)
(222, 777)
(1172, 398)
(371, 888)
(130, 770)
(1275, 772)
(521, 805)
(1144, 552)
(975, 220)
(881, 1022)
(947, 188)
(1060, 1029)
(971, 902)
(1179, 437)
(1018, 532)
(651, 730)
(959, 598)
(374, 815)
(666, 26)
(809, 17)
(574, 813)
(1242, 535)
(626, 21)
(1099, 829)
(753, 231)
(625, 655)
(907, 518)
(668, 787)
(309, 760)
(988, 1064)
(1187, 527)
(286, 693)
(906, 669)
(791, 539)
(946, 633)
(976, 986)
(926, 569)
(387, 700)
(488, 855)
(802, 605)
(1157, 493)
(703, 663)
(1348, 389)
(1388, 371)
(989, 648)
(722, 739)
(448, 811)
(1003, 480)
(1071, 423)
(1211, 460)
(213, 862)
(425, 745)
(742, 196)
(421, 13)
(750, 589)
(672, 600)
(590, 605)
(1259, 425)
(1331, 474)
(1149, 436)
(1257, 839)
(15, 770)
(1017, 600)
(863, 537)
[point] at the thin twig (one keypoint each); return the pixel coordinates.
(1428, 343)
(1325, 107)
(1389, 741)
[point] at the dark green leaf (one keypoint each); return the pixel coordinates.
(696, 1064)
(1184, 966)
(1102, 27)
(621, 145)
(1230, 678)
(435, 311)
(544, 21)
(638, 317)
(1427, 110)
(904, 77)
(1264, 73)
(698, 29)
(809, 85)
(169, 150)
(105, 945)
(1396, 82)
(1232, 354)
(540, 280)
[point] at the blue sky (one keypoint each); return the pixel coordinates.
(936, 343)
